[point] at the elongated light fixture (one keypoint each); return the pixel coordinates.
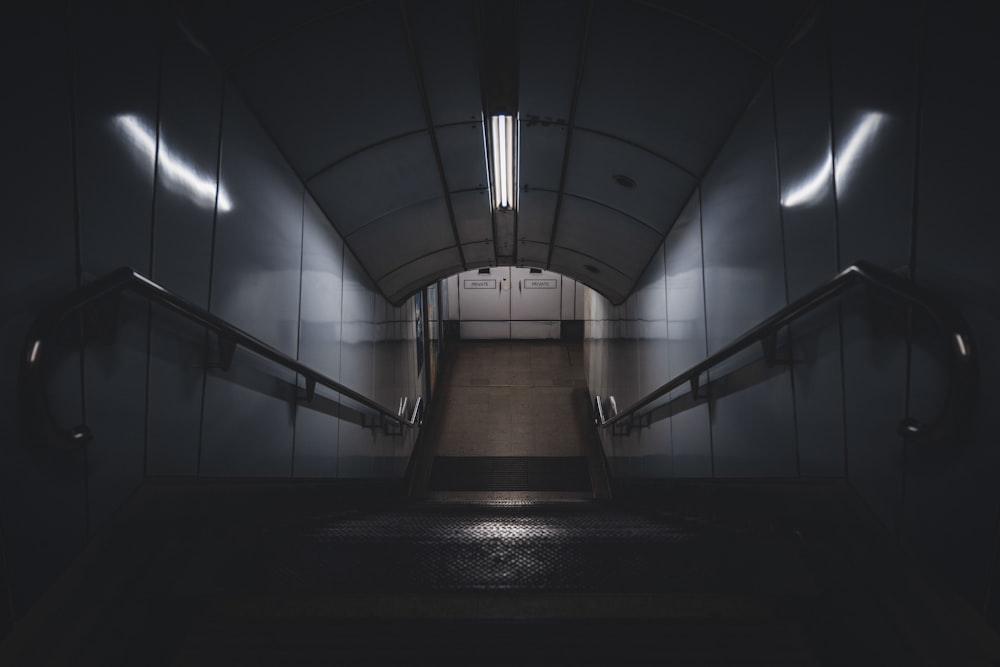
(503, 160)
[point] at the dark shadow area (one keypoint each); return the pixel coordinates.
(705, 572)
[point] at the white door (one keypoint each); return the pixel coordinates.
(484, 303)
(535, 303)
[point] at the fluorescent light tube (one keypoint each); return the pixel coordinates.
(503, 161)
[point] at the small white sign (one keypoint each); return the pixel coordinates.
(479, 284)
(541, 283)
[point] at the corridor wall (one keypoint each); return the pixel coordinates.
(871, 140)
(120, 133)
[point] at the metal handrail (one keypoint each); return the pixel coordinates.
(110, 286)
(964, 364)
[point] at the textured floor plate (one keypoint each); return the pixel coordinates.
(563, 547)
(510, 473)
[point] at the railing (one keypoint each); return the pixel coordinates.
(107, 290)
(964, 364)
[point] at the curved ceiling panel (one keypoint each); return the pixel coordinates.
(479, 254)
(473, 216)
(378, 107)
(533, 253)
(463, 154)
(402, 236)
(628, 179)
(335, 86)
(449, 66)
(410, 277)
(537, 211)
(684, 86)
(595, 230)
(375, 182)
(593, 273)
(550, 38)
(543, 149)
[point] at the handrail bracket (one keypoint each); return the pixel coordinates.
(769, 345)
(309, 393)
(699, 393)
(227, 350)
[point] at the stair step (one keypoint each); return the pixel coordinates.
(510, 473)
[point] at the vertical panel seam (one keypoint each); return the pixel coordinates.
(340, 354)
(211, 265)
(907, 392)
(570, 120)
(836, 228)
(704, 305)
(287, 162)
(784, 269)
(431, 133)
(152, 241)
(78, 239)
(666, 339)
(298, 331)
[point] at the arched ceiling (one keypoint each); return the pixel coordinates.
(379, 105)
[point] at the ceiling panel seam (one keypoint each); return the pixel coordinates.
(599, 261)
(421, 86)
(574, 102)
(634, 144)
(415, 259)
(607, 206)
(374, 220)
(464, 190)
(381, 142)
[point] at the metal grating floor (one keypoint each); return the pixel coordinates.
(510, 473)
(581, 546)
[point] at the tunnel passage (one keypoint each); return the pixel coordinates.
(511, 419)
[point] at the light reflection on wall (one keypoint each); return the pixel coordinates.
(175, 172)
(813, 188)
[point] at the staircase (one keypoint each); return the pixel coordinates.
(503, 547)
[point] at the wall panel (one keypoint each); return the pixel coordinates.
(184, 217)
(357, 445)
(874, 65)
(248, 414)
(39, 487)
(951, 499)
(753, 431)
(802, 116)
(116, 94)
(690, 430)
(316, 431)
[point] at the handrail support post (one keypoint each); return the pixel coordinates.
(769, 344)
(696, 393)
(309, 393)
(227, 350)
